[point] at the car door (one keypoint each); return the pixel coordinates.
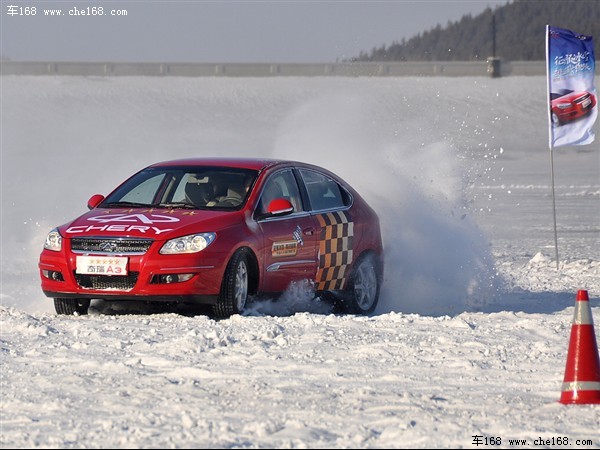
(289, 250)
(330, 205)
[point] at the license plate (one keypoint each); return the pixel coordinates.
(102, 265)
(586, 102)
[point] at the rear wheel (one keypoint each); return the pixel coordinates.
(234, 289)
(363, 291)
(70, 306)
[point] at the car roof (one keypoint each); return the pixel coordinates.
(258, 164)
(238, 163)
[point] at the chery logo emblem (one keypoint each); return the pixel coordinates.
(133, 218)
(109, 247)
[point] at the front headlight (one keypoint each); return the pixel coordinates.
(193, 243)
(53, 241)
(563, 105)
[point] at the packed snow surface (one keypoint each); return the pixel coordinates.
(467, 348)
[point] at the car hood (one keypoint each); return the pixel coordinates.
(158, 224)
(570, 97)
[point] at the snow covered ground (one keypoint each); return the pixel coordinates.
(467, 348)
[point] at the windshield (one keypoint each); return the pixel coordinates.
(184, 187)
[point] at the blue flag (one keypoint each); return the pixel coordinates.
(572, 95)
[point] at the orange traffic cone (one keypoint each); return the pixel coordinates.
(581, 384)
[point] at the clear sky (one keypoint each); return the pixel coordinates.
(217, 31)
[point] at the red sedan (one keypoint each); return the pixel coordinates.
(567, 105)
(216, 231)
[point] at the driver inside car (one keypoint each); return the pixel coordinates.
(232, 190)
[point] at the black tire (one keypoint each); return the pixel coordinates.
(362, 294)
(234, 288)
(70, 306)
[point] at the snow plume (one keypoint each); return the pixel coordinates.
(437, 261)
(299, 297)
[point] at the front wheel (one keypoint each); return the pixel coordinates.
(555, 120)
(234, 288)
(363, 291)
(70, 306)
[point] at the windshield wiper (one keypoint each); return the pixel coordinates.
(125, 204)
(178, 205)
(145, 205)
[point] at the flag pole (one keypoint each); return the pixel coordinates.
(550, 141)
(554, 207)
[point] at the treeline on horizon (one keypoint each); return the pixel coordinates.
(520, 27)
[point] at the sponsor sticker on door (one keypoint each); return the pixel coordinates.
(284, 248)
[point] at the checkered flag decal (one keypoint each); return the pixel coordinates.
(335, 250)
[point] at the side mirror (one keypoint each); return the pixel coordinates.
(280, 207)
(95, 200)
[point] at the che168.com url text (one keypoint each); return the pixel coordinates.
(551, 442)
(75, 11)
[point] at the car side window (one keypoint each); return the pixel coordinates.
(323, 192)
(280, 185)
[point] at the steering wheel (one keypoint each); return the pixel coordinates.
(230, 201)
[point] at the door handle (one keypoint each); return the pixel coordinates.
(309, 231)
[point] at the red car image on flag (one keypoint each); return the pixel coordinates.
(568, 105)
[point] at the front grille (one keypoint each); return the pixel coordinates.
(582, 98)
(114, 245)
(106, 282)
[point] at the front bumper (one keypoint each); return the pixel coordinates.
(150, 277)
